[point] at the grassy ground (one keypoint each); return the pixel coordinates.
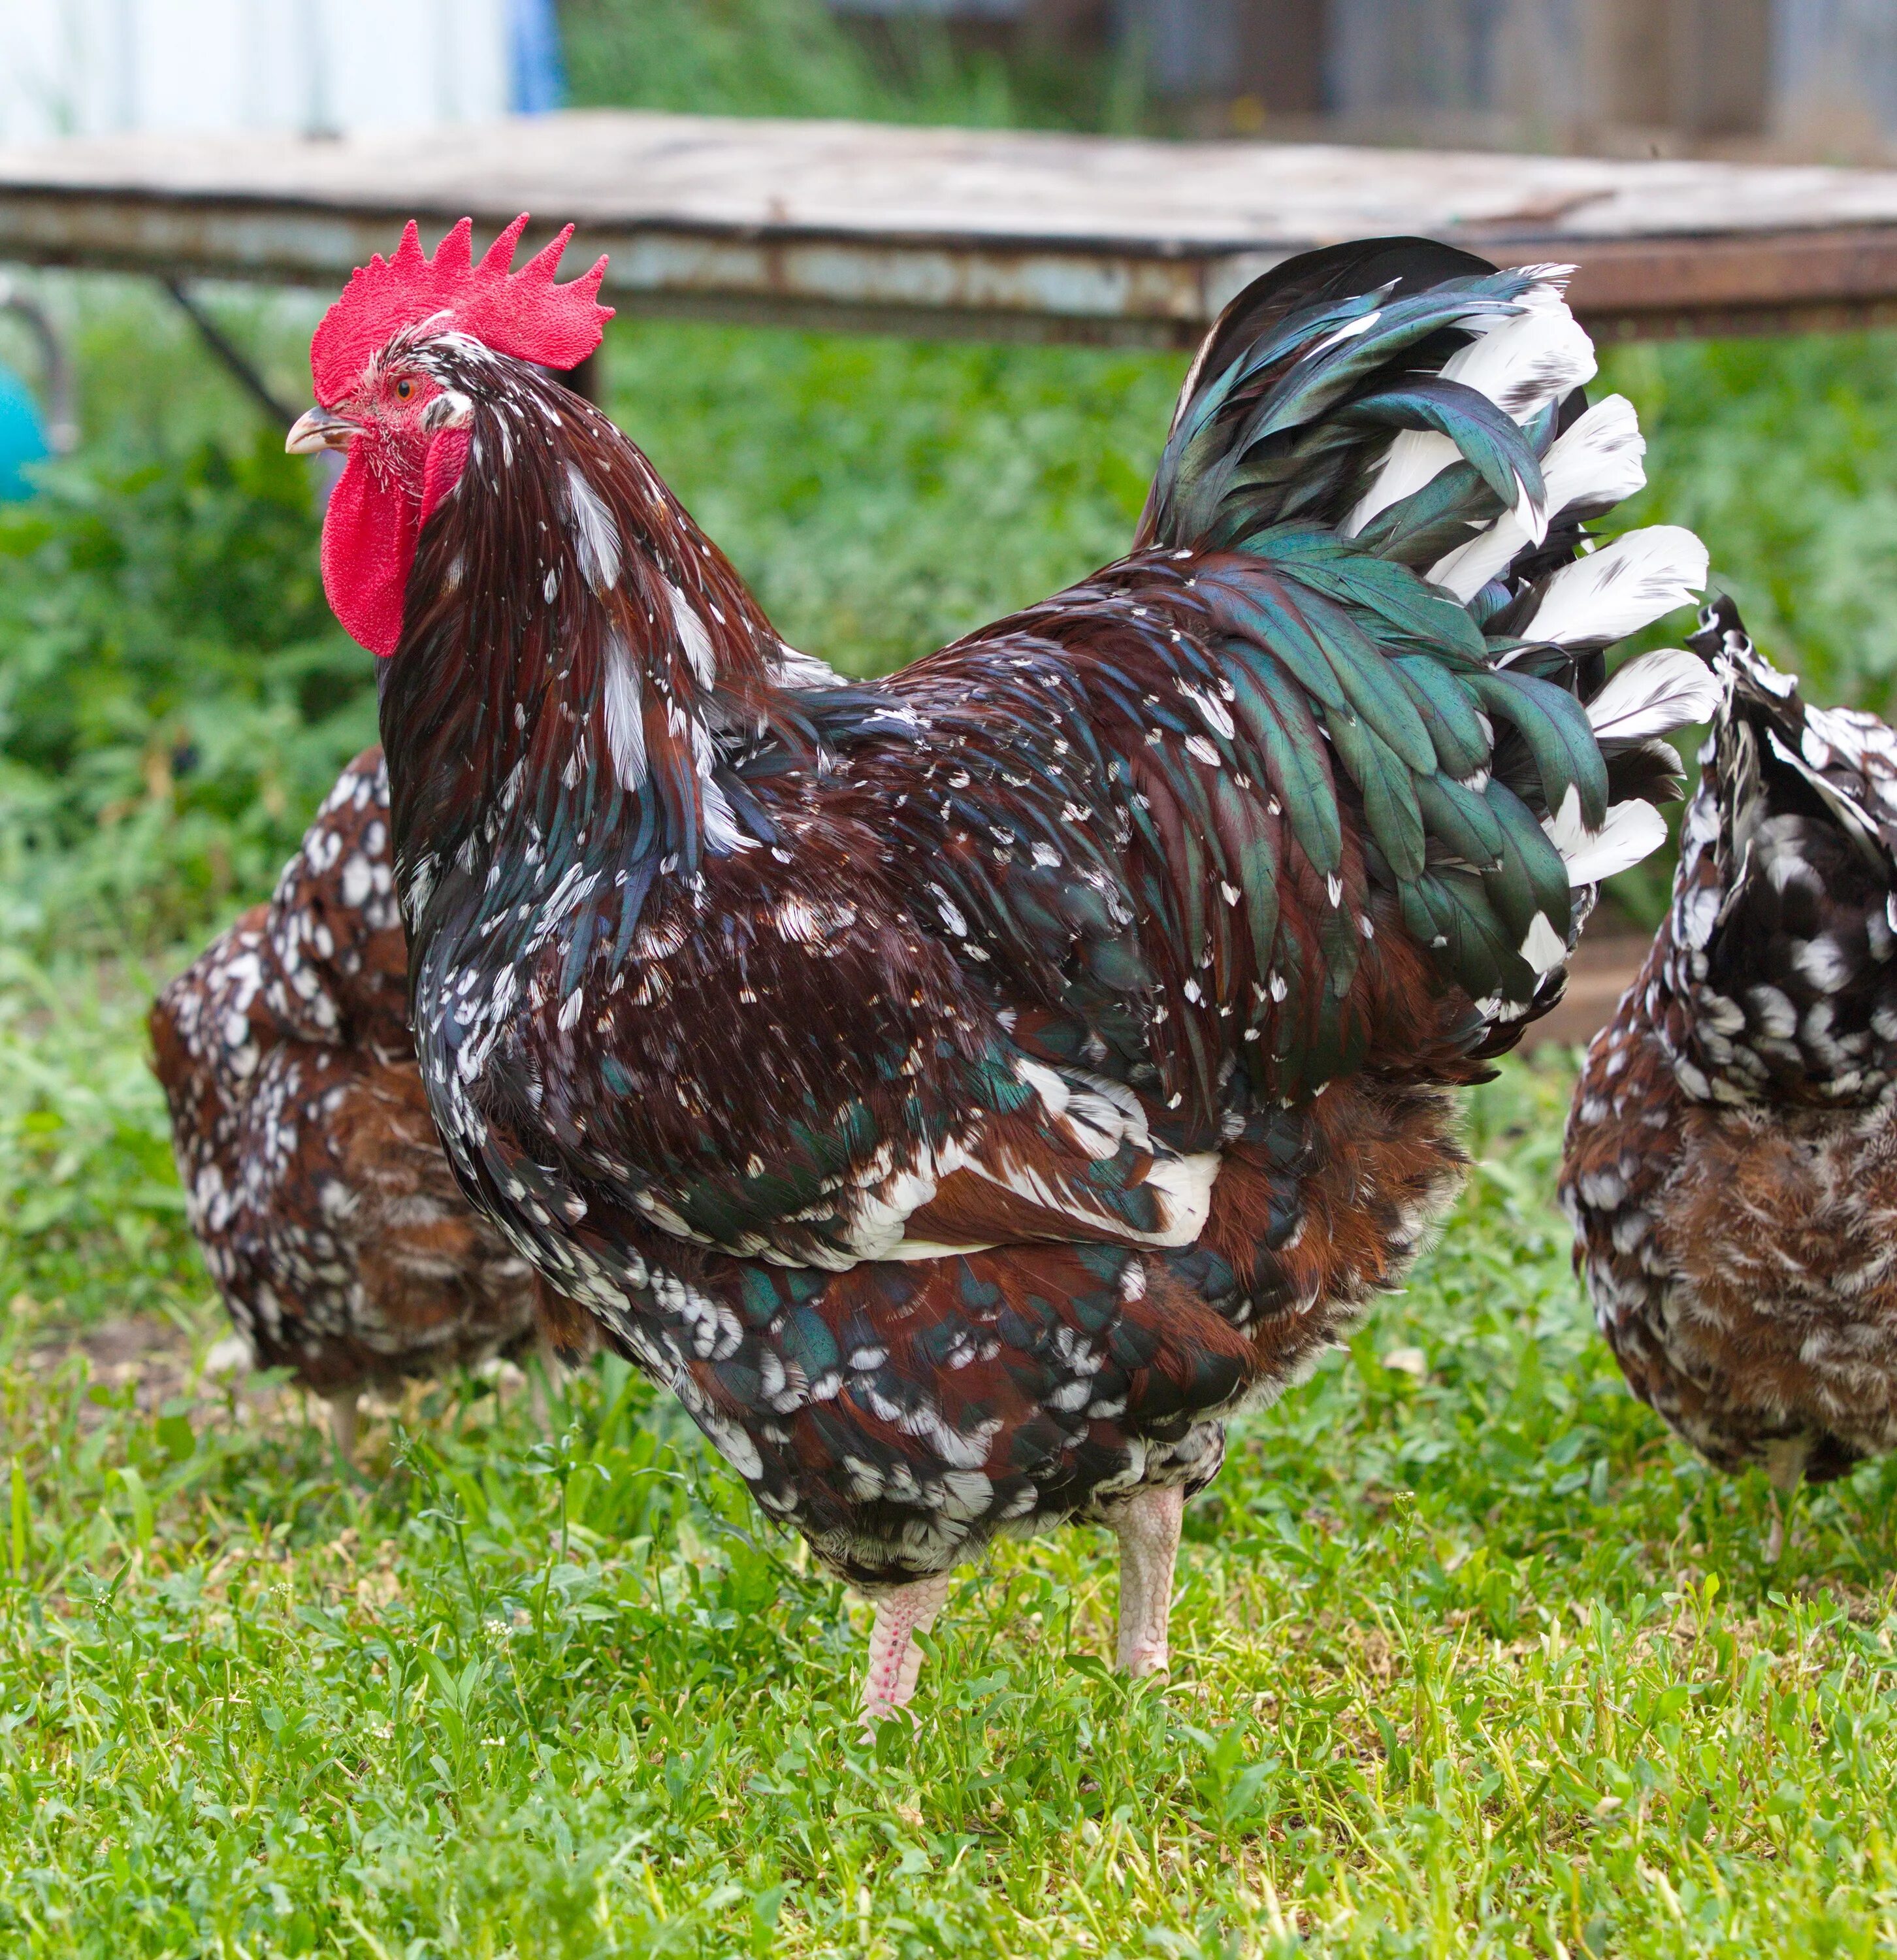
(1470, 1659)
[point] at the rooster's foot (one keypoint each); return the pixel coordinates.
(1147, 1525)
(1785, 1467)
(895, 1659)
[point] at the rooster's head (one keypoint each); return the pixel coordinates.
(385, 395)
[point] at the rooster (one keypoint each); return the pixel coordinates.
(966, 1091)
(1728, 1165)
(332, 1224)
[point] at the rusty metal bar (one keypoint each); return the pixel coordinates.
(997, 236)
(985, 290)
(236, 363)
(1625, 289)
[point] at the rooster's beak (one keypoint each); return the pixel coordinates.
(317, 430)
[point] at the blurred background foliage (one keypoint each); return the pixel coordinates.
(796, 57)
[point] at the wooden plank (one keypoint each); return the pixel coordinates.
(1815, 280)
(1621, 73)
(950, 230)
(1835, 82)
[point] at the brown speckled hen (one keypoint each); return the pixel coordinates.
(966, 1091)
(330, 1220)
(1731, 1162)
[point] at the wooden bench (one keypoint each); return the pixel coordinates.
(945, 231)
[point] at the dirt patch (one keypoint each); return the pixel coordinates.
(155, 1357)
(143, 1349)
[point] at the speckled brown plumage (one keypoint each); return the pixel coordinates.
(1731, 1161)
(314, 1180)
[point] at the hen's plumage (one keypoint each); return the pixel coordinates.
(314, 1181)
(965, 1091)
(1731, 1162)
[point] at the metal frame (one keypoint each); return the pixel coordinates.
(62, 421)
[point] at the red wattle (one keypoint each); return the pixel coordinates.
(369, 535)
(368, 545)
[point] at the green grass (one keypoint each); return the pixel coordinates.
(1783, 455)
(1470, 1658)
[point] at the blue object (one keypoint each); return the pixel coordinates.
(23, 437)
(539, 73)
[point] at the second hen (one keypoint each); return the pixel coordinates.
(333, 1226)
(1731, 1156)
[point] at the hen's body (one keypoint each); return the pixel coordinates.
(965, 1091)
(1731, 1164)
(328, 1217)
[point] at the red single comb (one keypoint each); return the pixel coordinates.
(523, 313)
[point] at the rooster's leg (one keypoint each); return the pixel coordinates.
(342, 1424)
(895, 1659)
(1147, 1525)
(545, 1383)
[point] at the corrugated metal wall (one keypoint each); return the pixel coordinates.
(89, 66)
(1819, 76)
(1414, 54)
(1188, 44)
(940, 10)
(1270, 51)
(1561, 68)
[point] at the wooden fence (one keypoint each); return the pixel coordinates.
(1804, 77)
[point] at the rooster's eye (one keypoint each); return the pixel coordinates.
(404, 390)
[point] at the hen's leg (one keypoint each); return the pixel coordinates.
(342, 1424)
(1147, 1525)
(895, 1659)
(544, 1382)
(1785, 1467)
